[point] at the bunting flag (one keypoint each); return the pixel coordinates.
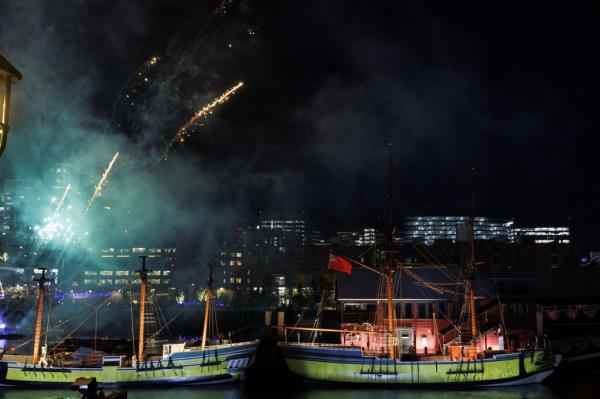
(554, 314)
(340, 264)
(590, 312)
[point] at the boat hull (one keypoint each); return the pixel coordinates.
(350, 366)
(221, 364)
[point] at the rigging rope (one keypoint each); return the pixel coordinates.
(132, 327)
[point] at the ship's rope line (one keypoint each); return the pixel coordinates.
(317, 323)
(158, 316)
(437, 265)
(83, 311)
(435, 328)
(427, 253)
(500, 304)
(446, 255)
(132, 327)
(48, 318)
(63, 322)
(162, 316)
(305, 309)
(72, 332)
(431, 258)
(52, 329)
(426, 283)
(457, 328)
(214, 324)
(104, 302)
(374, 316)
(185, 308)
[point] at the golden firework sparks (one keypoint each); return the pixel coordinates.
(102, 182)
(186, 130)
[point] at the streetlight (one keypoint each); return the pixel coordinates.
(8, 75)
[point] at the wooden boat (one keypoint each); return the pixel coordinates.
(178, 364)
(376, 354)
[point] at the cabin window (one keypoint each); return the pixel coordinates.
(408, 311)
(423, 311)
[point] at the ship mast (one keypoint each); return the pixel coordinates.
(470, 282)
(387, 254)
(38, 318)
(207, 308)
(143, 285)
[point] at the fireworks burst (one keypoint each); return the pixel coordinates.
(101, 182)
(186, 130)
(52, 227)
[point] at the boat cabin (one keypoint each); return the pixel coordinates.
(170, 348)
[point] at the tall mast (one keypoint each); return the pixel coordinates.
(38, 318)
(389, 209)
(471, 278)
(388, 262)
(143, 285)
(207, 308)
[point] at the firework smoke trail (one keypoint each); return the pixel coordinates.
(101, 182)
(62, 200)
(130, 87)
(184, 132)
(221, 10)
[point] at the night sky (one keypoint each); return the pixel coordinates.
(508, 88)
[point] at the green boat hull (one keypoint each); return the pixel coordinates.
(225, 363)
(350, 366)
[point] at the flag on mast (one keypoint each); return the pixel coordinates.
(340, 264)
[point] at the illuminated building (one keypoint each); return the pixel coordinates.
(282, 230)
(345, 238)
(116, 267)
(317, 240)
(428, 229)
(271, 258)
(368, 236)
(15, 224)
(541, 235)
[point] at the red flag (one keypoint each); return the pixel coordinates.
(340, 264)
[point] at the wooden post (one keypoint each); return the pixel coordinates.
(206, 312)
(472, 310)
(391, 318)
(144, 282)
(38, 318)
(207, 308)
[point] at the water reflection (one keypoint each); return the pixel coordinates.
(237, 391)
(527, 392)
(175, 393)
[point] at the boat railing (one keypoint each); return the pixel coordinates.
(229, 345)
(323, 345)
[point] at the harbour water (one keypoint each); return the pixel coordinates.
(584, 387)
